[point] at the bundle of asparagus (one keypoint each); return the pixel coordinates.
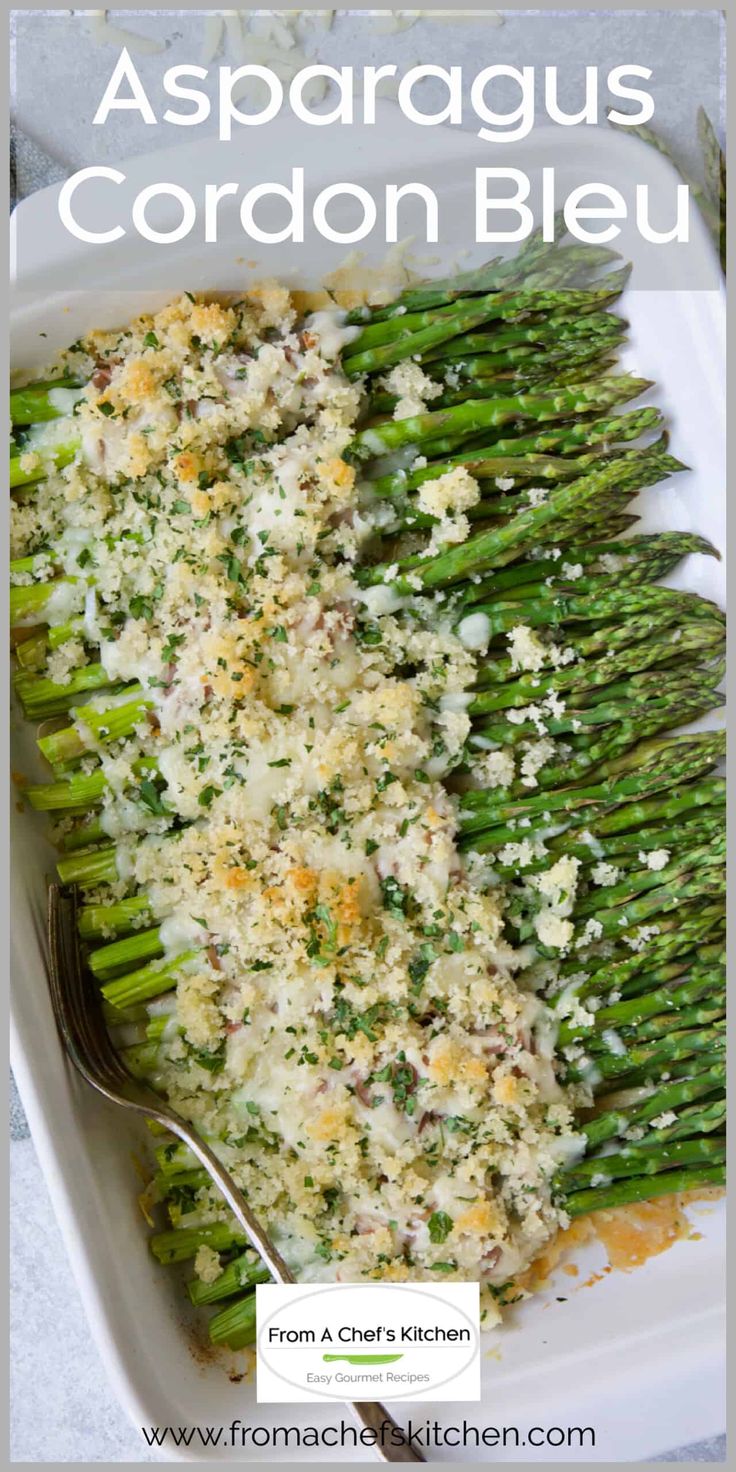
(576, 791)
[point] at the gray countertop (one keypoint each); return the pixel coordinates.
(63, 1407)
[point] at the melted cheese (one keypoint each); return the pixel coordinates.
(350, 991)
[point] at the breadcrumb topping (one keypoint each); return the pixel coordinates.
(347, 1025)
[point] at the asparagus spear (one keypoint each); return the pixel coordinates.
(639, 1064)
(53, 455)
(75, 793)
(235, 1325)
(583, 679)
(550, 330)
(661, 1099)
(147, 981)
(662, 764)
(243, 1271)
(472, 417)
(627, 1014)
(41, 401)
(525, 457)
(489, 277)
(111, 723)
(181, 1244)
(98, 920)
(648, 1159)
(643, 1188)
(41, 697)
(710, 203)
(385, 343)
(107, 961)
(34, 603)
(502, 544)
(714, 161)
(566, 440)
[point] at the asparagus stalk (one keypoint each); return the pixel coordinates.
(41, 697)
(34, 603)
(523, 337)
(643, 879)
(147, 981)
(502, 544)
(714, 161)
(627, 1014)
(87, 830)
(98, 866)
(121, 955)
(469, 418)
(235, 1325)
(73, 793)
(647, 1061)
(92, 726)
(560, 453)
(243, 1272)
(77, 792)
(584, 677)
(182, 1243)
(490, 277)
(642, 1160)
(96, 921)
(383, 344)
(660, 1100)
(51, 456)
(668, 762)
(644, 1188)
(624, 972)
(39, 402)
(564, 440)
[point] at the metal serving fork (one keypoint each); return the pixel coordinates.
(82, 1027)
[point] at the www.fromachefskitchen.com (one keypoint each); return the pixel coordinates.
(423, 1435)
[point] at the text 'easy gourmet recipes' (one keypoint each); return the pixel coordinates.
(393, 880)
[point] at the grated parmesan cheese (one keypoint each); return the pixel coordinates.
(605, 874)
(305, 848)
(454, 491)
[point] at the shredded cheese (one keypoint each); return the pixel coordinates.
(348, 1027)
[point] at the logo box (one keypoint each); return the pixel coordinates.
(368, 1341)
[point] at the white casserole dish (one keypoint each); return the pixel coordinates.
(638, 1356)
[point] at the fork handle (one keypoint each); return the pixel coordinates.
(374, 1416)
